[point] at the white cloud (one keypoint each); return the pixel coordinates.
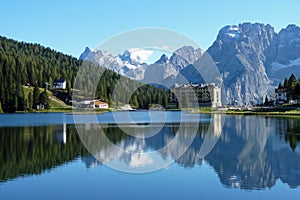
(165, 47)
(140, 55)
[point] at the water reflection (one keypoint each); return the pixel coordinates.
(254, 152)
(33, 150)
(250, 152)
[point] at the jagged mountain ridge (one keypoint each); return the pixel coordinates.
(121, 64)
(124, 64)
(252, 59)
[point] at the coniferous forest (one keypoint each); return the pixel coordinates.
(292, 86)
(34, 65)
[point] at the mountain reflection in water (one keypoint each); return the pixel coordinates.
(251, 152)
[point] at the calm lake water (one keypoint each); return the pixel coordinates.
(228, 157)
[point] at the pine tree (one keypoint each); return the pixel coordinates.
(135, 102)
(36, 96)
(20, 105)
(266, 100)
(165, 101)
(285, 83)
(292, 82)
(1, 110)
(30, 101)
(69, 90)
(297, 91)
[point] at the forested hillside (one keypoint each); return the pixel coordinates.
(23, 63)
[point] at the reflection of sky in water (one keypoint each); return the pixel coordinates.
(73, 181)
(251, 160)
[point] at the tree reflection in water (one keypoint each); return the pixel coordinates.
(251, 152)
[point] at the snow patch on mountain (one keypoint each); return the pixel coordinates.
(140, 55)
(275, 66)
(231, 32)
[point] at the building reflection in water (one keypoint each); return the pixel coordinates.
(250, 152)
(61, 135)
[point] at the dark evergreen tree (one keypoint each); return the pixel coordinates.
(20, 105)
(30, 101)
(266, 100)
(291, 83)
(165, 101)
(285, 83)
(135, 102)
(36, 96)
(297, 91)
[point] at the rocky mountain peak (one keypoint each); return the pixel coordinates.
(239, 54)
(125, 56)
(290, 35)
(162, 60)
(229, 33)
(292, 28)
(187, 53)
(184, 56)
(85, 53)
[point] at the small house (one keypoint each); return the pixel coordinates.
(98, 104)
(93, 104)
(281, 95)
(60, 84)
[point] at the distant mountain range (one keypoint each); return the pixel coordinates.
(252, 59)
(131, 66)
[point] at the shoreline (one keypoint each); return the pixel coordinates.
(258, 112)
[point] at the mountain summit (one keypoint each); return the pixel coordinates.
(251, 57)
(239, 53)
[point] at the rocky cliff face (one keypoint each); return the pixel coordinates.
(185, 56)
(284, 56)
(239, 55)
(252, 59)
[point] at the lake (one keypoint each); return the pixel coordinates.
(149, 155)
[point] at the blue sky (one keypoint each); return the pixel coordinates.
(70, 25)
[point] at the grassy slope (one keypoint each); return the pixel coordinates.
(55, 103)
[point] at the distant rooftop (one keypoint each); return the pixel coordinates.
(194, 85)
(60, 81)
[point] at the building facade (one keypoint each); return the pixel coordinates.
(196, 95)
(93, 104)
(60, 84)
(98, 104)
(281, 95)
